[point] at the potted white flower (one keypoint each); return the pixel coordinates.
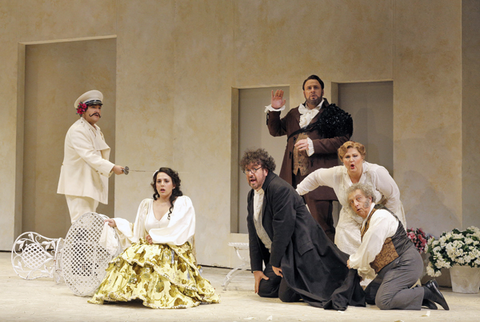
(460, 252)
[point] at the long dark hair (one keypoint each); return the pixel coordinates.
(176, 192)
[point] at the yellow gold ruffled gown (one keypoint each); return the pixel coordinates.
(161, 275)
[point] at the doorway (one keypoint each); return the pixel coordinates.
(56, 74)
(371, 107)
(253, 133)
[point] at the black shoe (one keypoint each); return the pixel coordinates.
(436, 295)
(429, 304)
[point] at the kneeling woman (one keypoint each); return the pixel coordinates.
(158, 266)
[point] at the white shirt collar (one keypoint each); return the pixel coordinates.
(303, 109)
(371, 208)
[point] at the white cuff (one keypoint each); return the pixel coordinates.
(301, 192)
(310, 150)
(366, 273)
(108, 239)
(269, 108)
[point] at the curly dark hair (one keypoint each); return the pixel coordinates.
(258, 156)
(176, 192)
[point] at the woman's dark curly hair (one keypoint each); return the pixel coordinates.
(176, 192)
(258, 156)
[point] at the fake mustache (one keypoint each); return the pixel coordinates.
(96, 115)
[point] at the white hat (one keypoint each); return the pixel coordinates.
(93, 97)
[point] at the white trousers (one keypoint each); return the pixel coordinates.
(77, 206)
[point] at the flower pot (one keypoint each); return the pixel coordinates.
(424, 277)
(465, 279)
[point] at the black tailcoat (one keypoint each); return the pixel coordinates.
(311, 263)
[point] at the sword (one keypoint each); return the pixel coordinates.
(127, 170)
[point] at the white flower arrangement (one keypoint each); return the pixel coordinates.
(453, 248)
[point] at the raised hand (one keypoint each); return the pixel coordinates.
(277, 100)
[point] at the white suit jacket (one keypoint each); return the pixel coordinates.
(85, 169)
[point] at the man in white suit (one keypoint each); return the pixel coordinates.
(86, 169)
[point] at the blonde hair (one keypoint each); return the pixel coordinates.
(351, 145)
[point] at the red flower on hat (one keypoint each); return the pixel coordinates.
(82, 107)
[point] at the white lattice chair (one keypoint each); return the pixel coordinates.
(79, 259)
(34, 256)
(84, 260)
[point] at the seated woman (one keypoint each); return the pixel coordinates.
(159, 266)
(354, 170)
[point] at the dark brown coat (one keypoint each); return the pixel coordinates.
(325, 155)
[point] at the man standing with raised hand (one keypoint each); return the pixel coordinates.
(315, 130)
(85, 169)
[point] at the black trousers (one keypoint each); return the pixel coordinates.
(276, 286)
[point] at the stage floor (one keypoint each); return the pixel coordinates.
(43, 300)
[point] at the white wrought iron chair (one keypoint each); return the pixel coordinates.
(84, 260)
(35, 256)
(79, 259)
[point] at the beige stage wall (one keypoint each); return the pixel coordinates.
(179, 63)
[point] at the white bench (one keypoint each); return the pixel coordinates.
(243, 265)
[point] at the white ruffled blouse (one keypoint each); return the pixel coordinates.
(177, 230)
(347, 235)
